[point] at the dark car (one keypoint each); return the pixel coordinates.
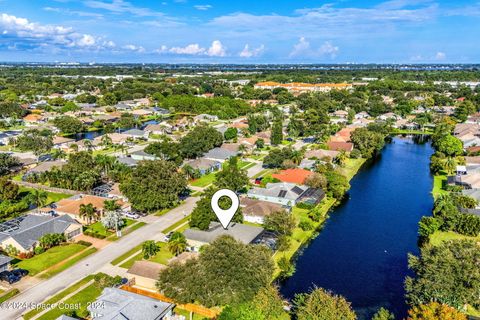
(9, 277)
(4, 275)
(19, 272)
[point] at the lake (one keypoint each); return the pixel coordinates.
(361, 253)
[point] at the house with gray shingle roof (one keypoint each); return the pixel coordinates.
(117, 304)
(219, 154)
(286, 194)
(24, 232)
(241, 232)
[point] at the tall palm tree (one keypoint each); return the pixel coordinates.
(88, 212)
(177, 243)
(89, 145)
(341, 157)
(106, 141)
(39, 197)
(450, 165)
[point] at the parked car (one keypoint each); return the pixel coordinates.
(20, 272)
(132, 215)
(9, 277)
(168, 236)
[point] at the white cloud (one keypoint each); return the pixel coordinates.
(217, 49)
(202, 7)
(191, 49)
(120, 7)
(328, 49)
(302, 47)
(440, 56)
(248, 53)
(132, 47)
(35, 35)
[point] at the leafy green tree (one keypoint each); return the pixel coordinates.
(34, 140)
(320, 304)
(226, 272)
(450, 146)
(368, 142)
(383, 314)
(50, 240)
(7, 162)
(277, 132)
(435, 311)
(337, 184)
(68, 125)
(166, 150)
(280, 222)
(8, 189)
(260, 143)
(231, 176)
(428, 226)
(287, 268)
(230, 133)
(200, 140)
(177, 243)
(154, 185)
(39, 197)
(447, 273)
(149, 249)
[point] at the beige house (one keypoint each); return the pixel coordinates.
(145, 273)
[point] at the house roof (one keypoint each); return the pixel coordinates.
(117, 304)
(146, 269)
(4, 260)
(296, 175)
(128, 161)
(338, 146)
(202, 163)
(32, 117)
(72, 205)
(253, 207)
(319, 154)
(26, 230)
(183, 257)
(289, 191)
(47, 166)
(220, 154)
(60, 140)
(240, 232)
(135, 132)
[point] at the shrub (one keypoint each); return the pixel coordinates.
(306, 225)
(355, 154)
(25, 255)
(39, 250)
(103, 280)
(304, 205)
(84, 243)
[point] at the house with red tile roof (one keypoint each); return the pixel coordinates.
(296, 175)
(339, 146)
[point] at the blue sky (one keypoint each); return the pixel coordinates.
(216, 31)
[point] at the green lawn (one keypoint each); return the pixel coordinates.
(52, 196)
(53, 271)
(8, 295)
(49, 258)
(440, 236)
(438, 182)
(204, 180)
(81, 299)
(351, 167)
(161, 257)
(262, 173)
(98, 227)
(299, 237)
(176, 224)
(59, 296)
(186, 314)
(127, 254)
(130, 228)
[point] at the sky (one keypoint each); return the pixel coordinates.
(236, 31)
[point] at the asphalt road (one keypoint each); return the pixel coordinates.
(18, 305)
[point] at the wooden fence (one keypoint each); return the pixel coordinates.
(203, 311)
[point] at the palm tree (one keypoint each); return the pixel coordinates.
(450, 165)
(341, 157)
(189, 171)
(59, 154)
(88, 212)
(242, 149)
(297, 157)
(88, 145)
(177, 243)
(106, 141)
(39, 197)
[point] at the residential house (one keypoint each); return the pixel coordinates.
(43, 167)
(286, 194)
(342, 114)
(389, 116)
(128, 161)
(297, 176)
(308, 164)
(23, 233)
(362, 115)
(219, 154)
(62, 142)
(255, 211)
(136, 133)
(340, 146)
(468, 181)
(321, 154)
(33, 119)
(5, 136)
(117, 138)
(204, 166)
(118, 304)
(142, 155)
(244, 233)
(161, 111)
(4, 262)
(142, 112)
(158, 129)
(205, 118)
(71, 206)
(145, 273)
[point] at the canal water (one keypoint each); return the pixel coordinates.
(361, 253)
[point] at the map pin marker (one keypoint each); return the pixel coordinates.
(225, 216)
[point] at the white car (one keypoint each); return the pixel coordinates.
(132, 215)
